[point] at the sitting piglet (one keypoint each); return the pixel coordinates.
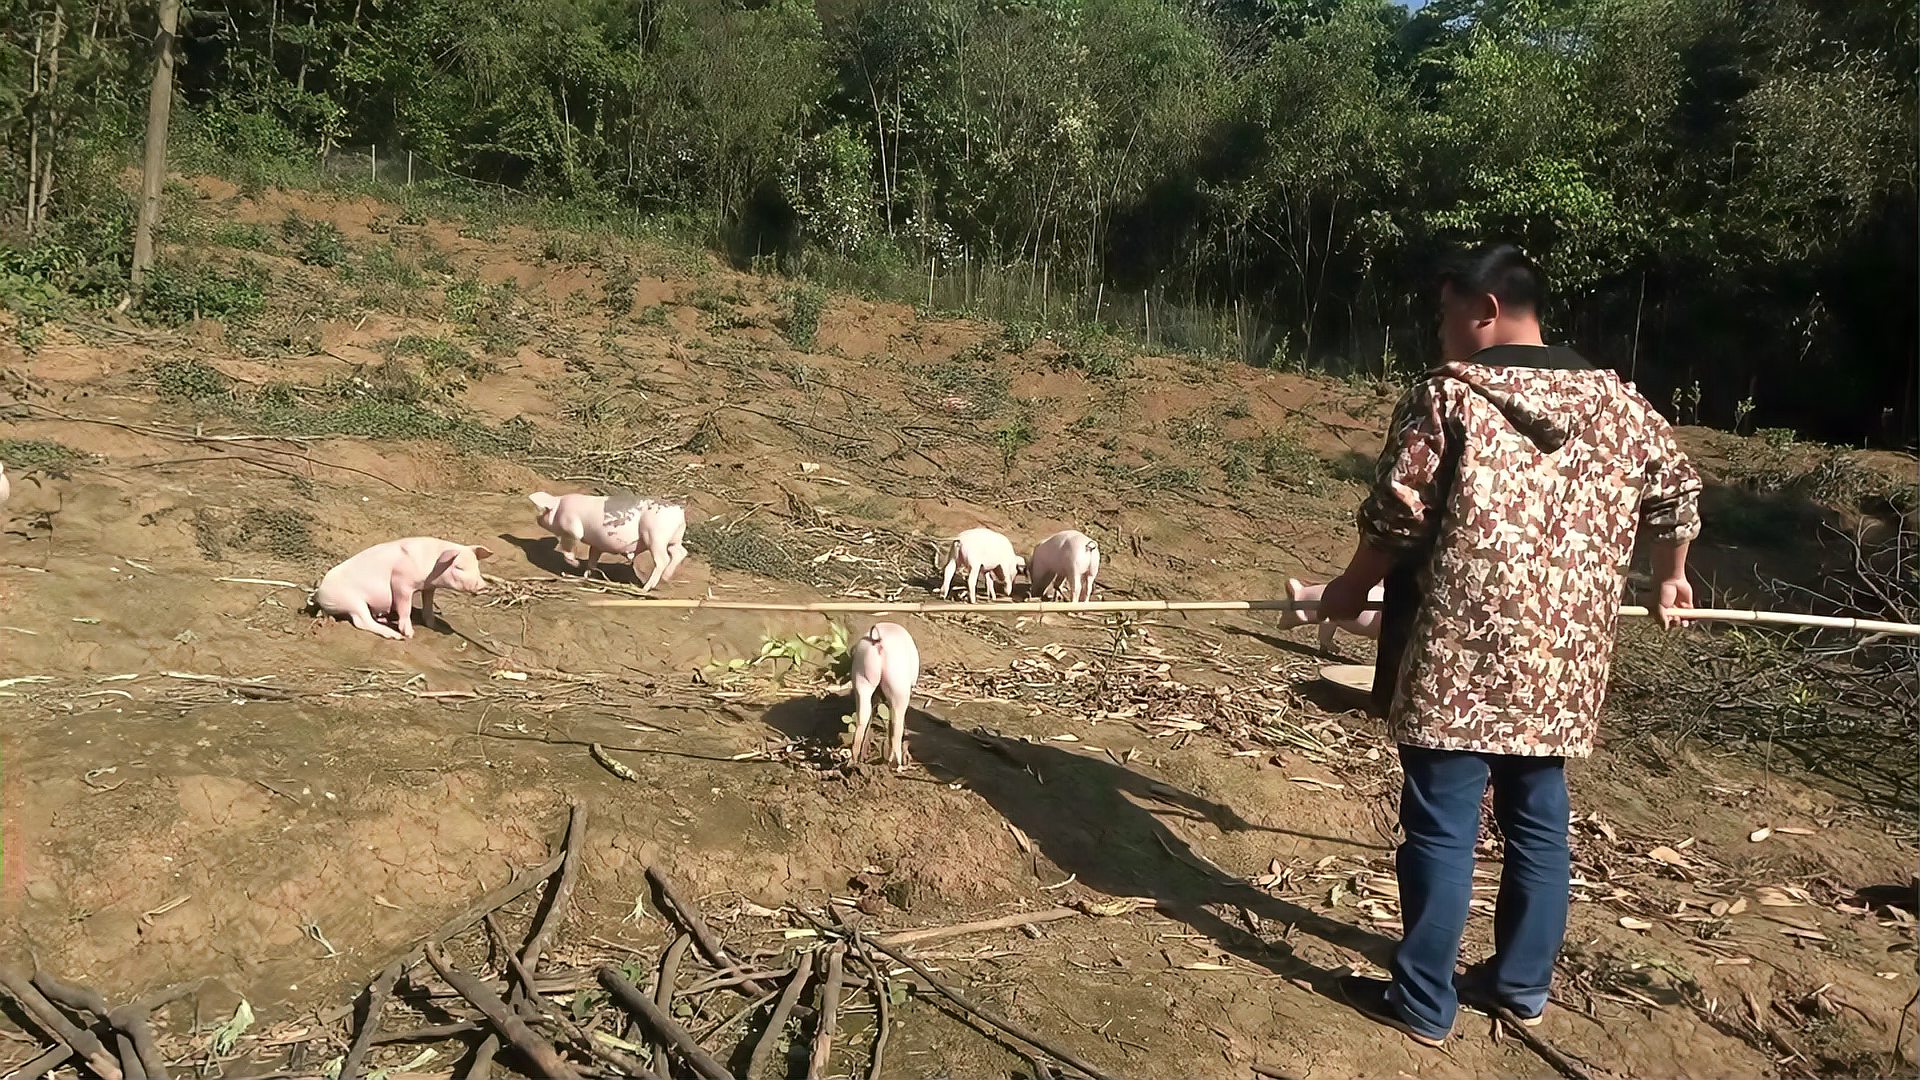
(1068, 560)
(976, 550)
(886, 658)
(1307, 597)
(382, 581)
(621, 524)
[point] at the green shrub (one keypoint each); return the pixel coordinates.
(805, 304)
(190, 380)
(178, 294)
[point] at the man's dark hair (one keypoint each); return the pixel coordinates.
(1500, 270)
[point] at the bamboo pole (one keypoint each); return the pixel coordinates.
(1052, 607)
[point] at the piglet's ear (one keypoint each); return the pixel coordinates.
(481, 551)
(440, 566)
(543, 500)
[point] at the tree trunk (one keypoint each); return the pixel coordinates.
(38, 215)
(154, 171)
(33, 134)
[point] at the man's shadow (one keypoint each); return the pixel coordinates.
(1100, 821)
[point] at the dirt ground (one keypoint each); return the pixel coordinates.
(202, 780)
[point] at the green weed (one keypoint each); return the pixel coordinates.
(44, 455)
(804, 305)
(176, 294)
(190, 380)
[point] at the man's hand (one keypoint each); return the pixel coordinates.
(1676, 594)
(1344, 598)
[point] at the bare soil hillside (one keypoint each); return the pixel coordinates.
(203, 781)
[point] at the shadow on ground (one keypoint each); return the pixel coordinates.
(1103, 822)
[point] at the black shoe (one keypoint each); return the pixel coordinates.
(1369, 996)
(1475, 994)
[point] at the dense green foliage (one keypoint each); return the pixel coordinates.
(1724, 190)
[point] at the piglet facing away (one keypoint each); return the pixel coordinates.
(1068, 559)
(6, 489)
(888, 659)
(1367, 624)
(982, 549)
(384, 579)
(621, 524)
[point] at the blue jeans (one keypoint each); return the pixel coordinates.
(1440, 813)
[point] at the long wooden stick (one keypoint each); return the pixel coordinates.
(363, 1039)
(1004, 922)
(789, 997)
(56, 1025)
(642, 1006)
(994, 1019)
(1054, 607)
(690, 917)
(540, 1052)
(829, 1014)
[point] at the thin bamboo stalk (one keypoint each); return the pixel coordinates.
(1050, 607)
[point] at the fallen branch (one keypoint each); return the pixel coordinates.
(966, 1005)
(465, 920)
(643, 1007)
(540, 1052)
(363, 1039)
(62, 1030)
(782, 1009)
(829, 1014)
(529, 959)
(882, 1008)
(689, 917)
(1004, 922)
(663, 990)
(1562, 1064)
(133, 1020)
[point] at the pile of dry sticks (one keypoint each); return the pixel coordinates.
(533, 1015)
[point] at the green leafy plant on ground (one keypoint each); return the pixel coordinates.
(805, 303)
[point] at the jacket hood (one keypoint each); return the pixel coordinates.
(1547, 392)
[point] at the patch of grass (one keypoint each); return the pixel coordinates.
(712, 299)
(805, 303)
(385, 265)
(287, 534)
(44, 455)
(190, 380)
(1019, 335)
(1284, 459)
(317, 243)
(1235, 466)
(652, 315)
(1014, 436)
(464, 298)
(1196, 431)
(742, 547)
(441, 357)
(434, 260)
(708, 436)
(247, 236)
(973, 379)
(176, 294)
(1096, 358)
(616, 290)
(1235, 410)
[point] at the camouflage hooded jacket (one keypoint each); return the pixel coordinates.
(1510, 491)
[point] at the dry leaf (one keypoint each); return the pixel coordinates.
(1737, 906)
(1794, 830)
(1019, 837)
(1810, 935)
(1203, 965)
(1063, 738)
(1758, 835)
(1633, 923)
(1733, 961)
(386, 903)
(1771, 897)
(1664, 854)
(1720, 907)
(514, 676)
(1888, 975)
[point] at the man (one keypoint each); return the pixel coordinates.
(1503, 519)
